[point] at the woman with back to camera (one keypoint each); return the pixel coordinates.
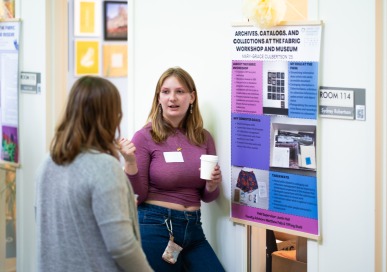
(86, 213)
(162, 162)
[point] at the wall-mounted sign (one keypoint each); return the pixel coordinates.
(342, 103)
(30, 82)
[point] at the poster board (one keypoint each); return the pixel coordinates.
(9, 96)
(9, 160)
(274, 109)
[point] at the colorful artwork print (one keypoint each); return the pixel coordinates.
(9, 144)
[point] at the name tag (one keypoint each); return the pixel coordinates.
(173, 156)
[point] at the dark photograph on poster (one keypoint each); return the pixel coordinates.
(116, 20)
(293, 144)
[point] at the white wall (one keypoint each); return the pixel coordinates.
(347, 148)
(32, 126)
(120, 82)
(195, 35)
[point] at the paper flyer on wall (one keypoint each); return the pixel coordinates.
(9, 69)
(274, 109)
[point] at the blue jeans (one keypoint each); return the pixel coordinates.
(197, 254)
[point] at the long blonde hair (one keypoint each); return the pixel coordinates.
(90, 121)
(192, 123)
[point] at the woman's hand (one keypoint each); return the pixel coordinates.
(216, 179)
(127, 150)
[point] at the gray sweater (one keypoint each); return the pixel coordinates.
(86, 217)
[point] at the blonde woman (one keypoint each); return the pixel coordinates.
(162, 162)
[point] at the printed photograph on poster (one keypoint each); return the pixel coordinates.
(275, 88)
(115, 60)
(293, 144)
(9, 144)
(87, 18)
(115, 20)
(86, 57)
(250, 187)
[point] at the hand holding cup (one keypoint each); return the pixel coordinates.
(210, 171)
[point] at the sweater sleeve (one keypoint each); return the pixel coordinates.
(140, 181)
(111, 209)
(211, 150)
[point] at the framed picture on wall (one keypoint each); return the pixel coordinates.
(115, 60)
(87, 18)
(116, 20)
(86, 57)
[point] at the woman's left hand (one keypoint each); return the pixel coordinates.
(216, 179)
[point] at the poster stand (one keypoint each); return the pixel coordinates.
(274, 112)
(8, 217)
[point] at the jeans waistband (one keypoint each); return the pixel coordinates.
(169, 212)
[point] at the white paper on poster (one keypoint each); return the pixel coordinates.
(308, 156)
(9, 88)
(262, 190)
(280, 157)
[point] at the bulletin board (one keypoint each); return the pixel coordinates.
(9, 96)
(9, 160)
(274, 110)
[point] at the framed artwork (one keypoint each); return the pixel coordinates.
(7, 9)
(115, 60)
(87, 18)
(296, 10)
(86, 57)
(116, 20)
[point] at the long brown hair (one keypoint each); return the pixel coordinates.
(192, 123)
(90, 121)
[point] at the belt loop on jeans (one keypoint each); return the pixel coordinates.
(169, 213)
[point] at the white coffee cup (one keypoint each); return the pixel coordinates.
(207, 165)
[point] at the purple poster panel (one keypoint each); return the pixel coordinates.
(250, 140)
(246, 87)
(9, 145)
(276, 219)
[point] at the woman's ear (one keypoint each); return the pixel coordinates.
(193, 97)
